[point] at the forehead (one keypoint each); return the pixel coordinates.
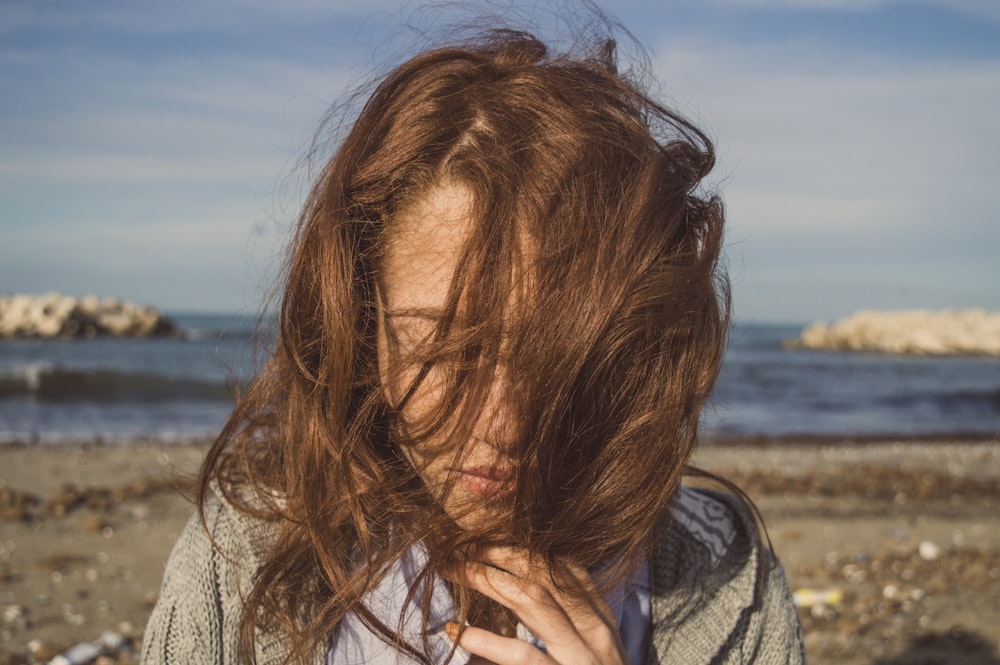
(423, 248)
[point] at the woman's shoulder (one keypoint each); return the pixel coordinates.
(237, 525)
(718, 522)
(708, 542)
(211, 568)
(718, 593)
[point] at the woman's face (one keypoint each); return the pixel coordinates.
(419, 260)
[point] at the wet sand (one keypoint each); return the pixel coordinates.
(901, 539)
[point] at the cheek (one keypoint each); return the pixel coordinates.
(420, 408)
(429, 458)
(424, 402)
(396, 378)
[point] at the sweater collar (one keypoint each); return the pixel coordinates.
(704, 577)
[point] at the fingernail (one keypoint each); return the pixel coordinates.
(452, 629)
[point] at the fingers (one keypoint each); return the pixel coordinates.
(497, 649)
(578, 597)
(534, 604)
(572, 619)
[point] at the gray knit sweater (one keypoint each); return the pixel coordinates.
(706, 603)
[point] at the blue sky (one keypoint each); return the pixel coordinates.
(153, 150)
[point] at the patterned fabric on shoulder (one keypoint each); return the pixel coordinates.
(711, 522)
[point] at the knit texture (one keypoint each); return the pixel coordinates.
(708, 605)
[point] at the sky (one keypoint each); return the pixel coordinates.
(155, 150)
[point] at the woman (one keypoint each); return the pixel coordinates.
(502, 317)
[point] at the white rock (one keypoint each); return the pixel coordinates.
(920, 332)
(928, 551)
(56, 315)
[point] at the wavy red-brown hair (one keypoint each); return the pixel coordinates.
(610, 355)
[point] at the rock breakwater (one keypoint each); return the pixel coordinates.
(55, 315)
(916, 332)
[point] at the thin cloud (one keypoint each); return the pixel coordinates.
(850, 180)
(975, 8)
(865, 177)
(910, 133)
(181, 16)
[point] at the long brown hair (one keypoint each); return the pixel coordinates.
(609, 356)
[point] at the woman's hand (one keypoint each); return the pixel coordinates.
(577, 630)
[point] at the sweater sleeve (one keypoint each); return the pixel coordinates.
(775, 624)
(196, 617)
(719, 595)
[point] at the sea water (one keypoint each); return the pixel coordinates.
(768, 390)
(181, 389)
(119, 389)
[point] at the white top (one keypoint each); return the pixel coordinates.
(354, 644)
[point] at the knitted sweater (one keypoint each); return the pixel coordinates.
(706, 603)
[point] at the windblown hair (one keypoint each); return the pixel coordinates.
(609, 352)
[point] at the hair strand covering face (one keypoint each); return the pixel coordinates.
(584, 202)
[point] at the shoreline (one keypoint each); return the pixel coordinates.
(861, 439)
(904, 534)
(708, 440)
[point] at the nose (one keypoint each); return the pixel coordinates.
(497, 419)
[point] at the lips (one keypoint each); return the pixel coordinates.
(485, 480)
(484, 471)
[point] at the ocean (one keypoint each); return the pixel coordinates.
(119, 390)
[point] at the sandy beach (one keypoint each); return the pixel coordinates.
(893, 546)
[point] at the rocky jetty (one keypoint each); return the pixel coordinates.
(915, 332)
(55, 315)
